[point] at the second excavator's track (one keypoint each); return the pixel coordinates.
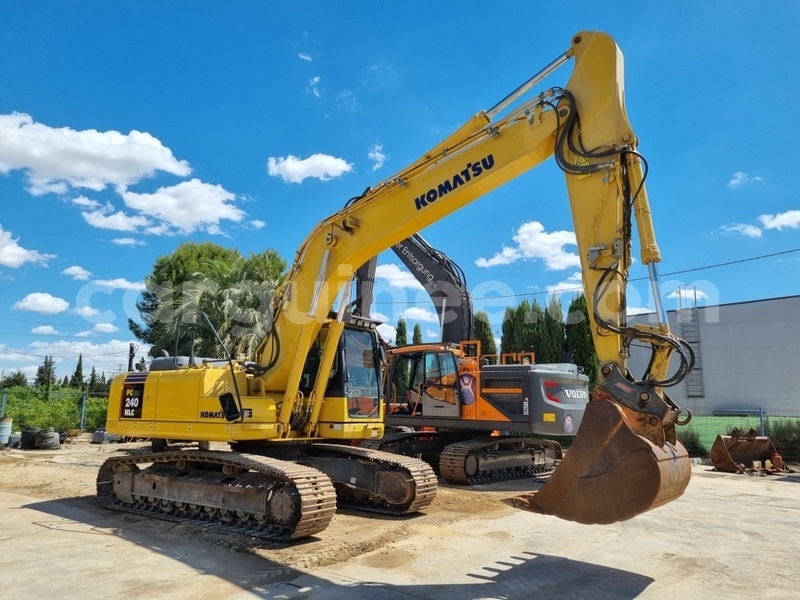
(470, 462)
(298, 501)
(416, 475)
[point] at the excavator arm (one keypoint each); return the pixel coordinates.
(626, 457)
(443, 280)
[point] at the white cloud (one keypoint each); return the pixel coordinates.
(378, 316)
(377, 156)
(55, 159)
(44, 330)
(632, 311)
(790, 218)
(85, 202)
(42, 303)
(387, 332)
(574, 283)
(86, 311)
(121, 284)
(313, 86)
(188, 206)
(108, 357)
(397, 277)
(77, 273)
(105, 328)
(127, 242)
(319, 166)
(743, 228)
(419, 314)
(303, 56)
(13, 255)
(534, 242)
(685, 293)
(739, 179)
(117, 221)
(258, 224)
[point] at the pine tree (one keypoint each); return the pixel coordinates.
(579, 339)
(94, 383)
(417, 337)
(77, 377)
(46, 376)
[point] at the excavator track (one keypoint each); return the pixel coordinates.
(254, 495)
(375, 481)
(491, 458)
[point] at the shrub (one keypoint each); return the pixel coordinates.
(785, 435)
(691, 441)
(29, 407)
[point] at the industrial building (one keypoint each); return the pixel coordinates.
(747, 356)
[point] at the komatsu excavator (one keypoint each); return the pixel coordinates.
(474, 422)
(316, 375)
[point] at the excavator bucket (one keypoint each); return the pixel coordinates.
(736, 452)
(610, 473)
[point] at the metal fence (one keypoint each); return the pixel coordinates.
(782, 427)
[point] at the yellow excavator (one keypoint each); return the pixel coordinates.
(316, 376)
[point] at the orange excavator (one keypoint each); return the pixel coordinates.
(473, 421)
(316, 376)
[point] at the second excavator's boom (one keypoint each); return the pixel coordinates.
(443, 280)
(584, 126)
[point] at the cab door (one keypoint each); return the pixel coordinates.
(440, 392)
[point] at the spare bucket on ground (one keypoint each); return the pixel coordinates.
(739, 451)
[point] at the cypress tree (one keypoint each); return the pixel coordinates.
(401, 337)
(579, 339)
(483, 333)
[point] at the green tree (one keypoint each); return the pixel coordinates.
(401, 337)
(551, 348)
(579, 341)
(93, 383)
(483, 332)
(416, 338)
(46, 375)
(16, 379)
(522, 328)
(77, 377)
(234, 291)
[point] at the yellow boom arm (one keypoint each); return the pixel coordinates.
(584, 126)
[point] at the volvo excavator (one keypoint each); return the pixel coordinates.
(315, 377)
(474, 422)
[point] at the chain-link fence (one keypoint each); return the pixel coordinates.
(782, 427)
(73, 409)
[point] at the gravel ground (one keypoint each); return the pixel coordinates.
(729, 536)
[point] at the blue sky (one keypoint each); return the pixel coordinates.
(127, 128)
